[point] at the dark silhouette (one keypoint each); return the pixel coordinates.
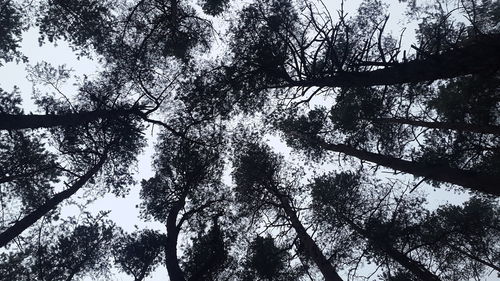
(257, 171)
(232, 207)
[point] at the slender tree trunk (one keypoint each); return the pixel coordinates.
(413, 266)
(175, 272)
(311, 248)
(469, 179)
(33, 121)
(172, 262)
(21, 225)
(487, 263)
(463, 127)
(479, 56)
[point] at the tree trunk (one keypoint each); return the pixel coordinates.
(472, 257)
(311, 248)
(172, 262)
(469, 179)
(478, 56)
(33, 121)
(21, 225)
(463, 127)
(413, 266)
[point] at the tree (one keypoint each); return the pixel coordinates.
(65, 252)
(10, 33)
(133, 38)
(267, 261)
(275, 43)
(185, 186)
(108, 146)
(306, 131)
(102, 115)
(392, 119)
(430, 111)
(99, 100)
(27, 169)
(339, 197)
(396, 226)
(139, 253)
(33, 121)
(465, 236)
(208, 255)
(283, 56)
(21, 225)
(257, 177)
(24, 162)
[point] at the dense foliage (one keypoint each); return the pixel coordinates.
(377, 126)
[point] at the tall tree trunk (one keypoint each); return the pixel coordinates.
(469, 179)
(479, 56)
(21, 225)
(413, 266)
(473, 257)
(175, 272)
(311, 248)
(463, 127)
(33, 121)
(172, 262)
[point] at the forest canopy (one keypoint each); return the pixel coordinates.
(290, 140)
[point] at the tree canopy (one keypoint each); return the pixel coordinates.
(293, 140)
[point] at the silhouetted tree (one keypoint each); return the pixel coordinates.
(267, 261)
(28, 171)
(257, 177)
(339, 197)
(465, 236)
(70, 251)
(108, 147)
(185, 186)
(139, 253)
(275, 45)
(10, 32)
(397, 227)
(306, 132)
(207, 256)
(431, 112)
